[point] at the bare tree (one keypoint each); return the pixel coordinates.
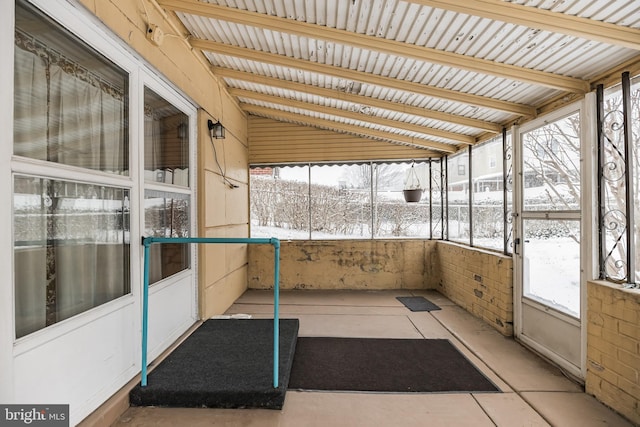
(279, 203)
(552, 162)
(552, 159)
(342, 210)
(384, 176)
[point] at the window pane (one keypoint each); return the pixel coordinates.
(551, 166)
(340, 201)
(488, 195)
(508, 157)
(166, 141)
(437, 179)
(394, 216)
(613, 184)
(70, 103)
(635, 126)
(167, 215)
(458, 196)
(551, 253)
(615, 222)
(280, 202)
(71, 249)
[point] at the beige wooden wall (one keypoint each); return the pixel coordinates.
(271, 141)
(222, 212)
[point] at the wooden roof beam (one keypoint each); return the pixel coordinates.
(358, 99)
(456, 138)
(411, 87)
(379, 44)
(534, 17)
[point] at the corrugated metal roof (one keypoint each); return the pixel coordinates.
(470, 66)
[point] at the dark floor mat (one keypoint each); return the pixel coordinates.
(418, 303)
(223, 364)
(384, 365)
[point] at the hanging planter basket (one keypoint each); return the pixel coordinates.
(412, 188)
(412, 196)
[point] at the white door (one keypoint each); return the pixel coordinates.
(168, 200)
(548, 254)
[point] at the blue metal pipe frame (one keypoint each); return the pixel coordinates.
(148, 241)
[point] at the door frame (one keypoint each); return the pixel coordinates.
(588, 225)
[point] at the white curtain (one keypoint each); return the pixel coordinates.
(86, 257)
(74, 121)
(152, 141)
(30, 105)
(152, 152)
(64, 116)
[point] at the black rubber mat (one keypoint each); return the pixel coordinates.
(418, 303)
(224, 364)
(384, 365)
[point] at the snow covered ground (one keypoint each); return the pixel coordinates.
(552, 273)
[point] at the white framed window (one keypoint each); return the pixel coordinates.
(339, 201)
(98, 141)
(167, 197)
(458, 213)
(488, 217)
(71, 168)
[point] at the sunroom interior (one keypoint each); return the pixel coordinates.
(516, 122)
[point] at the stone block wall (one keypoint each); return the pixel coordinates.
(613, 347)
(479, 281)
(345, 264)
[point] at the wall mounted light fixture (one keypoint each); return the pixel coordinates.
(216, 129)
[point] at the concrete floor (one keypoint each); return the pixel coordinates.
(534, 392)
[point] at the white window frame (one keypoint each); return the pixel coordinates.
(21, 165)
(149, 80)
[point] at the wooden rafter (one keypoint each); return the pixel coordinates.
(411, 87)
(534, 17)
(378, 44)
(358, 99)
(347, 128)
(454, 137)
